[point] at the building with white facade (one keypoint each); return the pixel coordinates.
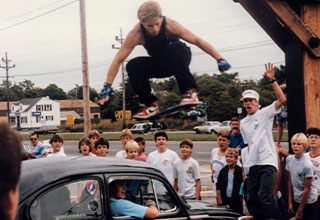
(35, 112)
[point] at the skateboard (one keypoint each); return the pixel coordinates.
(183, 111)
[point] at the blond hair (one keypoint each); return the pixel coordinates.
(224, 133)
(125, 133)
(149, 10)
(233, 152)
(94, 133)
(131, 145)
(301, 138)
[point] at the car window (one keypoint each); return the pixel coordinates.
(142, 190)
(165, 200)
(224, 123)
(76, 200)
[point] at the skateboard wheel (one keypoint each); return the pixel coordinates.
(163, 126)
(202, 112)
(183, 114)
(146, 128)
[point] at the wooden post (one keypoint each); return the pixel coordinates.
(85, 88)
(311, 68)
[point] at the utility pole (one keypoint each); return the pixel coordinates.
(124, 122)
(7, 67)
(85, 77)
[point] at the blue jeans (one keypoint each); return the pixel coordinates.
(262, 203)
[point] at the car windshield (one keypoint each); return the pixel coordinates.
(224, 123)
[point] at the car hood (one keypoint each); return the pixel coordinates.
(197, 207)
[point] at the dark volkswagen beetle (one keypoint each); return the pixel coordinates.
(77, 188)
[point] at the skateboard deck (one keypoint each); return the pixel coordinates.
(187, 110)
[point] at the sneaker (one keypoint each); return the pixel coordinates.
(148, 111)
(190, 96)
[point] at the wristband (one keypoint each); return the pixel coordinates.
(107, 84)
(272, 81)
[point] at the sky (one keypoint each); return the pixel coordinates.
(42, 38)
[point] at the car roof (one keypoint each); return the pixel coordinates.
(39, 172)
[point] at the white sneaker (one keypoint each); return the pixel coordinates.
(148, 111)
(190, 97)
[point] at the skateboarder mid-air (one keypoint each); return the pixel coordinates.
(168, 56)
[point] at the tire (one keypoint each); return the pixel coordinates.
(146, 128)
(202, 113)
(183, 114)
(213, 131)
(163, 126)
(197, 131)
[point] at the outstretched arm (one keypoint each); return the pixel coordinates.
(270, 74)
(174, 28)
(133, 39)
(152, 212)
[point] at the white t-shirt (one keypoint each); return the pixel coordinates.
(316, 170)
(164, 162)
(301, 168)
(57, 154)
(217, 164)
(121, 154)
(187, 172)
(256, 131)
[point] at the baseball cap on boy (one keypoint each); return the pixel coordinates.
(250, 94)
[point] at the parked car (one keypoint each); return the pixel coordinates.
(78, 188)
(47, 129)
(143, 128)
(225, 125)
(209, 127)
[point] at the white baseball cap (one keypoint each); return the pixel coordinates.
(250, 94)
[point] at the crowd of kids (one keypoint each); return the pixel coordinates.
(246, 166)
(230, 175)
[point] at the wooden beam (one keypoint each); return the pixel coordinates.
(267, 21)
(294, 23)
(311, 69)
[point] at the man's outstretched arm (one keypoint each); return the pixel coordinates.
(173, 27)
(132, 40)
(270, 74)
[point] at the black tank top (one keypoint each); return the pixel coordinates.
(156, 45)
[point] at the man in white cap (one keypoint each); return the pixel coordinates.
(262, 161)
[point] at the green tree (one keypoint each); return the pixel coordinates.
(54, 92)
(132, 99)
(77, 93)
(33, 93)
(26, 84)
(114, 104)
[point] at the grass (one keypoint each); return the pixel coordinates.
(149, 137)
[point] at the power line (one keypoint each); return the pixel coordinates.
(40, 15)
(225, 49)
(64, 70)
(29, 12)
